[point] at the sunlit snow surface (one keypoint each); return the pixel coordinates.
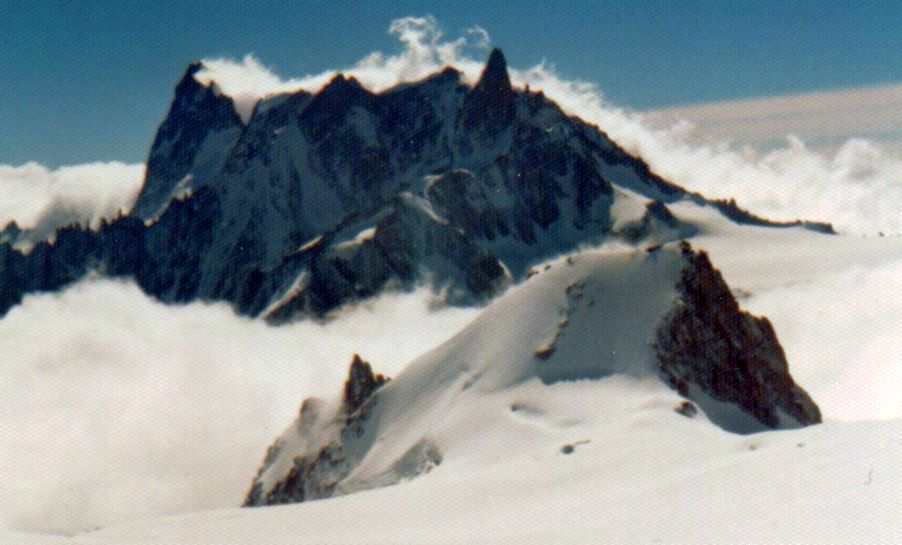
(121, 413)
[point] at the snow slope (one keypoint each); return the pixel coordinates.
(646, 475)
(638, 472)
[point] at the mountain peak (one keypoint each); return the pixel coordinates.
(340, 92)
(188, 83)
(340, 81)
(494, 76)
(194, 67)
(196, 111)
(492, 101)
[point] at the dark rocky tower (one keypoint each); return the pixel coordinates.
(196, 111)
(491, 104)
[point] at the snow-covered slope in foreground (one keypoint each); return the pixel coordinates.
(646, 474)
(662, 313)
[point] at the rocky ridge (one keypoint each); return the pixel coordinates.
(460, 187)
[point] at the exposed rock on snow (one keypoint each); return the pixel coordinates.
(687, 409)
(708, 348)
(309, 461)
(361, 384)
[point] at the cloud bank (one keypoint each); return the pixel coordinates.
(824, 119)
(114, 406)
(39, 198)
(856, 184)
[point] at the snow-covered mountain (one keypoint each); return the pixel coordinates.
(320, 199)
(657, 313)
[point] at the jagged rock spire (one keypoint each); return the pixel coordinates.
(192, 69)
(710, 349)
(494, 76)
(492, 102)
(189, 90)
(330, 105)
(196, 111)
(361, 384)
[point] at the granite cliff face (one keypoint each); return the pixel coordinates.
(190, 146)
(711, 351)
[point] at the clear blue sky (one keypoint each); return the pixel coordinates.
(89, 80)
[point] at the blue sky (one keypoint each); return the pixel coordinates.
(89, 80)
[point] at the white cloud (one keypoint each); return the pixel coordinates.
(425, 51)
(44, 199)
(114, 406)
(822, 118)
(841, 333)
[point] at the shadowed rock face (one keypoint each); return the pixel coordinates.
(725, 359)
(491, 104)
(361, 384)
(196, 113)
(467, 189)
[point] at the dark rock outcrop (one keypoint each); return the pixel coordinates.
(329, 457)
(10, 233)
(491, 104)
(732, 210)
(197, 112)
(361, 384)
(726, 360)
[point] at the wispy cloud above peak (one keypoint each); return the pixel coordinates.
(425, 49)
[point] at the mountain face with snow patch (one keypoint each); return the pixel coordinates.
(191, 144)
(321, 199)
(663, 313)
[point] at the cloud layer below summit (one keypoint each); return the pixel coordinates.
(46, 199)
(114, 406)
